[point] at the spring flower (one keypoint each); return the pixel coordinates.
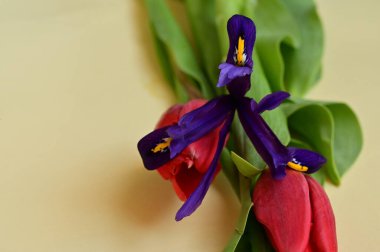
(164, 144)
(239, 63)
(277, 156)
(186, 170)
(295, 212)
(167, 142)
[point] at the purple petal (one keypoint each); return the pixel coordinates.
(241, 26)
(307, 158)
(198, 123)
(272, 101)
(197, 196)
(230, 72)
(254, 105)
(223, 76)
(150, 159)
(266, 143)
(199, 112)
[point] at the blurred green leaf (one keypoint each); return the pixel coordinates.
(303, 64)
(169, 32)
(275, 26)
(225, 10)
(244, 167)
(289, 42)
(167, 69)
(299, 144)
(348, 139)
(202, 18)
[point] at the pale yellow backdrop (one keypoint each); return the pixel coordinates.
(79, 85)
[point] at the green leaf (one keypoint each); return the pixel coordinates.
(348, 139)
(294, 142)
(303, 64)
(254, 238)
(259, 239)
(289, 42)
(313, 124)
(225, 10)
(230, 171)
(246, 205)
(167, 69)
(202, 18)
(331, 129)
(244, 167)
(171, 35)
(275, 26)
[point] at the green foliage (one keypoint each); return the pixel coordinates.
(331, 129)
(169, 33)
(274, 30)
(243, 166)
(202, 18)
(230, 171)
(303, 64)
(167, 69)
(246, 205)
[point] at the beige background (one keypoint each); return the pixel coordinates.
(79, 85)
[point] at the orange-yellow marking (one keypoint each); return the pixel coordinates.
(162, 146)
(297, 167)
(240, 52)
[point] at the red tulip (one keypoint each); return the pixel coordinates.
(295, 212)
(187, 169)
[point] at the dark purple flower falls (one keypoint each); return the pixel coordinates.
(274, 153)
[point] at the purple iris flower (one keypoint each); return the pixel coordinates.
(277, 156)
(164, 144)
(239, 63)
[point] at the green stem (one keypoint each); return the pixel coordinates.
(246, 204)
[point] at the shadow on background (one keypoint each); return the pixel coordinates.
(145, 197)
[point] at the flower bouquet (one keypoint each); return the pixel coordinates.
(242, 111)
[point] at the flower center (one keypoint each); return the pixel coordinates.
(240, 57)
(163, 146)
(296, 166)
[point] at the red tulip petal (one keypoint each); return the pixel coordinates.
(171, 168)
(174, 113)
(283, 207)
(191, 105)
(186, 170)
(204, 149)
(323, 233)
(186, 181)
(170, 117)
